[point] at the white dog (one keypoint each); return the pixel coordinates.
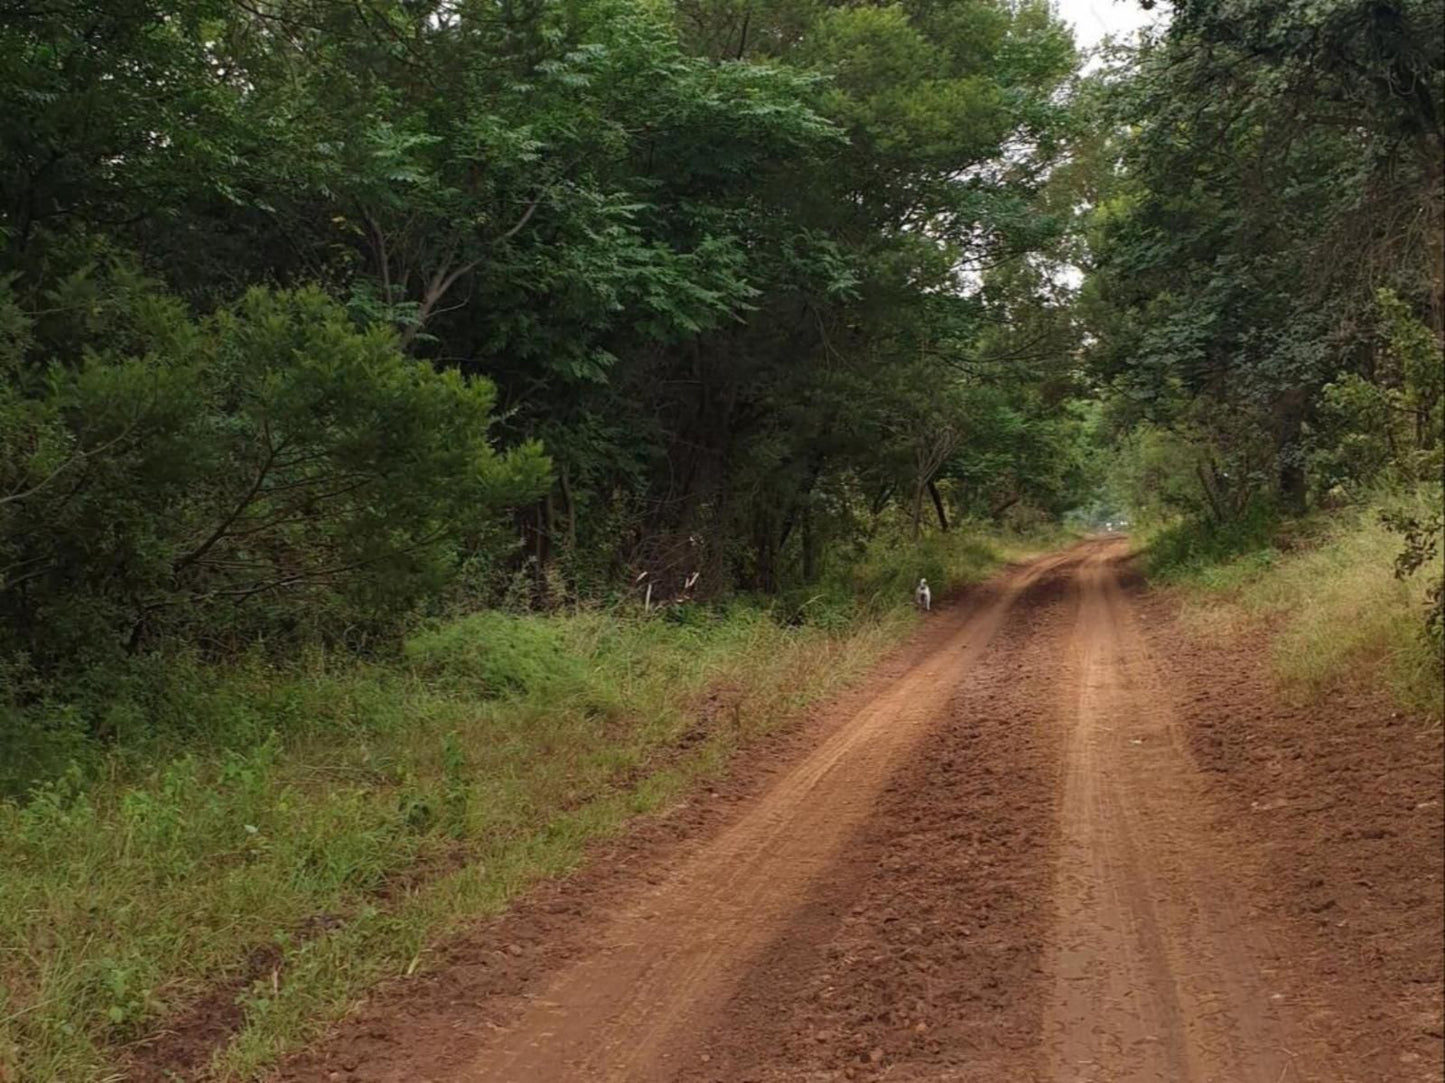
(923, 596)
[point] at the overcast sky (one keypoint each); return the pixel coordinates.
(1092, 19)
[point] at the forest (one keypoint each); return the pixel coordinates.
(381, 360)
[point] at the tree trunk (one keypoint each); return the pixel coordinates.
(1207, 486)
(541, 553)
(1293, 486)
(570, 505)
(998, 509)
(810, 546)
(800, 504)
(1290, 415)
(880, 500)
(766, 549)
(938, 507)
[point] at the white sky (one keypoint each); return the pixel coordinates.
(1092, 19)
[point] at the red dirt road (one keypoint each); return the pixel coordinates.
(1023, 852)
(1157, 972)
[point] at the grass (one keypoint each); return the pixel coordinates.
(887, 570)
(1327, 587)
(336, 818)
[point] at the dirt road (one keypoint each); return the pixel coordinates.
(660, 965)
(1003, 862)
(1157, 972)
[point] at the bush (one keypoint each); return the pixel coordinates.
(888, 572)
(830, 606)
(1194, 548)
(270, 471)
(499, 652)
(1330, 588)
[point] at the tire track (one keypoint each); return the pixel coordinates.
(663, 962)
(917, 956)
(1159, 972)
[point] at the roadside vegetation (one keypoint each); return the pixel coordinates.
(1268, 302)
(292, 833)
(1342, 609)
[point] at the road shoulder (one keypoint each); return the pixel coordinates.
(1341, 799)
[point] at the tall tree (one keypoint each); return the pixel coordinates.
(1282, 165)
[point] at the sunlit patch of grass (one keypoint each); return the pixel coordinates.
(341, 816)
(1347, 618)
(1342, 616)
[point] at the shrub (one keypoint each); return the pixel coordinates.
(889, 571)
(499, 652)
(1194, 548)
(269, 471)
(1332, 587)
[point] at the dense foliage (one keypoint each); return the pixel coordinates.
(314, 312)
(1266, 241)
(1268, 286)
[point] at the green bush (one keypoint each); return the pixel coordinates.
(499, 652)
(889, 570)
(1341, 603)
(829, 605)
(1194, 548)
(268, 472)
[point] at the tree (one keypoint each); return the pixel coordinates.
(266, 469)
(1281, 164)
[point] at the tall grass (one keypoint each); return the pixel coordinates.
(1328, 587)
(1213, 556)
(329, 820)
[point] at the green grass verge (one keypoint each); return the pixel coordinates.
(1326, 585)
(340, 817)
